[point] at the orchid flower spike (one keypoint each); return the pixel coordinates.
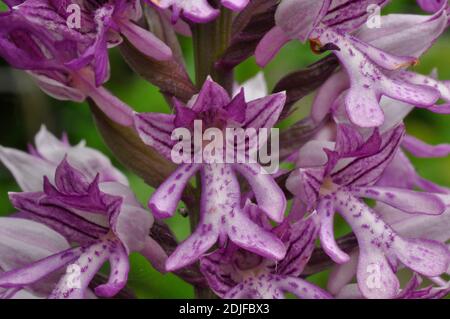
(222, 215)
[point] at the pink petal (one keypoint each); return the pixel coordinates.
(166, 198)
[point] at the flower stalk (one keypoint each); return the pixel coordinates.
(210, 42)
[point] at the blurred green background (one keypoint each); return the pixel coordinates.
(24, 108)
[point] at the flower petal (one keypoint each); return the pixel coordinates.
(348, 15)
(235, 5)
(154, 254)
(58, 89)
(211, 95)
(118, 276)
(145, 41)
(198, 243)
(156, 130)
(326, 213)
(420, 149)
(327, 94)
(28, 170)
(24, 241)
(367, 170)
(37, 270)
(270, 45)
(250, 236)
(300, 240)
(376, 280)
(74, 284)
(342, 274)
(422, 226)
(298, 18)
(303, 289)
(306, 184)
(220, 271)
(427, 257)
(431, 6)
(114, 108)
(85, 159)
(269, 196)
(369, 83)
(71, 225)
(405, 200)
(131, 225)
(199, 11)
(264, 112)
(166, 198)
(405, 34)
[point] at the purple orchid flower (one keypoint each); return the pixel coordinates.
(236, 273)
(370, 59)
(298, 19)
(24, 242)
(98, 215)
(400, 174)
(429, 227)
(424, 30)
(221, 213)
(198, 11)
(349, 175)
(70, 63)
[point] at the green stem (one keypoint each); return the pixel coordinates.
(210, 42)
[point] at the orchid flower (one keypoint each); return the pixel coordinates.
(99, 216)
(425, 226)
(400, 174)
(198, 11)
(222, 216)
(70, 63)
(24, 242)
(334, 93)
(346, 177)
(373, 65)
(236, 273)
